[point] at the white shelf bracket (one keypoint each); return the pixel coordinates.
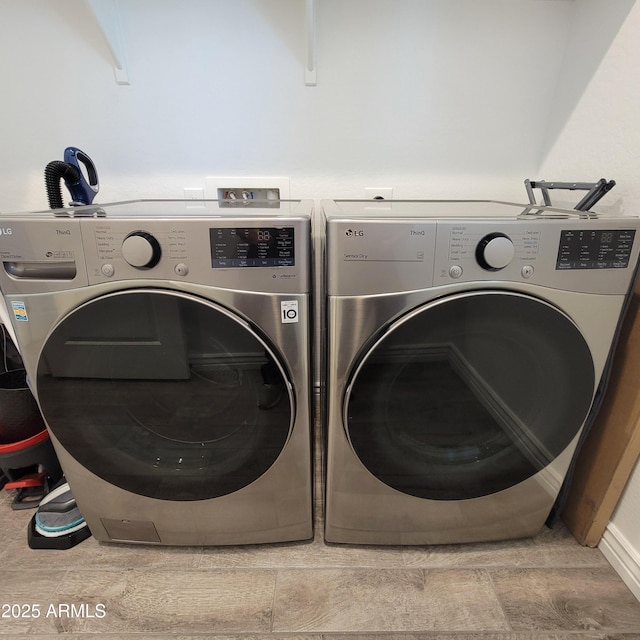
(107, 16)
(310, 71)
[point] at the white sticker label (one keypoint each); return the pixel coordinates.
(289, 311)
(20, 311)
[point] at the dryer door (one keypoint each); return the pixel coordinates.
(469, 395)
(165, 394)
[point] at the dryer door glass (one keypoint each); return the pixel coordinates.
(469, 395)
(165, 395)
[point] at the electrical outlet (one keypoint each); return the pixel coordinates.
(378, 193)
(248, 192)
(193, 193)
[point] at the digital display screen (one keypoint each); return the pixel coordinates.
(583, 249)
(252, 247)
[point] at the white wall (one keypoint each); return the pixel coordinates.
(621, 540)
(602, 138)
(627, 515)
(436, 98)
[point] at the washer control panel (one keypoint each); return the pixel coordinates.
(231, 252)
(264, 254)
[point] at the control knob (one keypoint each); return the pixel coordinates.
(141, 250)
(495, 251)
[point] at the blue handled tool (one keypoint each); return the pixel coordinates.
(80, 178)
(85, 189)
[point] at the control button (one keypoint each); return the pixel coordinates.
(495, 252)
(141, 250)
(107, 269)
(455, 271)
(181, 269)
(527, 271)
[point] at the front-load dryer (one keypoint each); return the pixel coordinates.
(167, 344)
(466, 344)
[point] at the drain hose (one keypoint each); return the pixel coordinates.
(53, 172)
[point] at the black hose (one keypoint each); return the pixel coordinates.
(53, 172)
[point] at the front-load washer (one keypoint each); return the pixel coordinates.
(167, 344)
(466, 344)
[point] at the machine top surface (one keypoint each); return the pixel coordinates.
(178, 209)
(425, 209)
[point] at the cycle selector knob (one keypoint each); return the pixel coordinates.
(495, 251)
(141, 250)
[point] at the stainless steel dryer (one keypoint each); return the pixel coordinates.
(466, 343)
(167, 344)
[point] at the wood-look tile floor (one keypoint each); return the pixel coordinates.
(543, 588)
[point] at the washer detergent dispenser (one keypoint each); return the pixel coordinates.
(167, 343)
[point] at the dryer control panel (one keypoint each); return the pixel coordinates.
(582, 255)
(600, 249)
(375, 250)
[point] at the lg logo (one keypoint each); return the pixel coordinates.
(350, 232)
(6, 231)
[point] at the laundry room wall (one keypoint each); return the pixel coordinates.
(602, 138)
(621, 540)
(435, 98)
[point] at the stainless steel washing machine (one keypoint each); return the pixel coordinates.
(167, 344)
(466, 344)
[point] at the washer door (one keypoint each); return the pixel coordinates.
(469, 395)
(165, 395)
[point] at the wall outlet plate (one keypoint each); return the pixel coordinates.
(193, 193)
(378, 193)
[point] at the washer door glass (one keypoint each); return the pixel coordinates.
(469, 395)
(165, 395)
